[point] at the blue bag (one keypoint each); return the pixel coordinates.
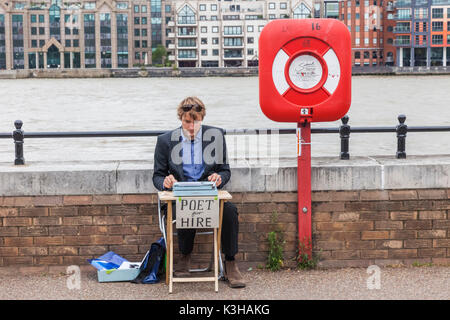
(152, 268)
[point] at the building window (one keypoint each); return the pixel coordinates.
(437, 26)
(271, 5)
(122, 5)
(215, 40)
(204, 51)
(89, 41)
(250, 40)
(186, 16)
(357, 55)
(41, 18)
(202, 7)
(143, 9)
(186, 43)
(232, 30)
(215, 52)
(232, 42)
(33, 18)
(204, 29)
(136, 20)
(283, 5)
(437, 39)
(302, 12)
(122, 40)
(437, 13)
(137, 44)
(214, 7)
(187, 53)
(136, 9)
(105, 40)
(89, 5)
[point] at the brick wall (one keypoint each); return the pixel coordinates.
(350, 228)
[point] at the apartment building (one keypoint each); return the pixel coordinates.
(79, 34)
(371, 24)
(226, 33)
(422, 32)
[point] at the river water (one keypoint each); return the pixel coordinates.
(232, 103)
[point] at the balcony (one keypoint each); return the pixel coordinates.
(402, 17)
(229, 46)
(188, 46)
(390, 7)
(186, 22)
(171, 46)
(171, 58)
(171, 35)
(402, 4)
(188, 58)
(240, 35)
(402, 29)
(187, 35)
(402, 42)
(171, 24)
(233, 57)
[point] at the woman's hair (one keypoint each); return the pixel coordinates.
(191, 101)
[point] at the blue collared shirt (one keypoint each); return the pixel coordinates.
(193, 165)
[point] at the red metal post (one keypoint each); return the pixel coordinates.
(304, 188)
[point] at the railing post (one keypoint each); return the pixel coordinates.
(344, 133)
(401, 129)
(18, 142)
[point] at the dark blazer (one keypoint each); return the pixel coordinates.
(213, 146)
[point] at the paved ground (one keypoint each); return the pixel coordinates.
(394, 283)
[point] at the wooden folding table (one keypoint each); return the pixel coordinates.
(168, 197)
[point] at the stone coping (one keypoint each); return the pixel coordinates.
(135, 177)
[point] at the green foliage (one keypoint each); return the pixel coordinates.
(306, 260)
(158, 54)
(275, 260)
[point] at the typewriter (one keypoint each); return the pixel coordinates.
(196, 188)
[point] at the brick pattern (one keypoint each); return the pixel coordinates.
(388, 227)
(350, 228)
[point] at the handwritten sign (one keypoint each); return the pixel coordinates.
(197, 212)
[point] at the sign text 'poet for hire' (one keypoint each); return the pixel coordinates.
(197, 212)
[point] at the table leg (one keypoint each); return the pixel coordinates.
(216, 262)
(219, 236)
(170, 244)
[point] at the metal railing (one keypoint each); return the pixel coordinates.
(344, 131)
